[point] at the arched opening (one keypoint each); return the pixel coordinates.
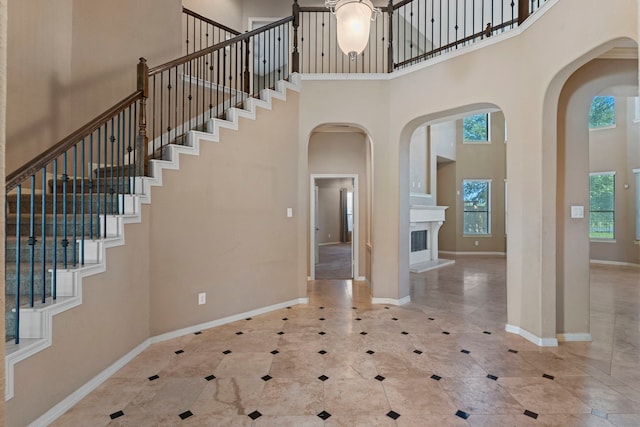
(454, 163)
(585, 157)
(339, 223)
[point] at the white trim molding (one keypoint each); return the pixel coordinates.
(391, 301)
(474, 253)
(617, 263)
(541, 342)
(52, 414)
(575, 337)
(229, 319)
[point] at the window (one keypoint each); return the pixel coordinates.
(602, 112)
(477, 206)
(601, 205)
(476, 128)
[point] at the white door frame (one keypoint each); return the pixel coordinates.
(312, 223)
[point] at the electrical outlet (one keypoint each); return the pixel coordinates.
(329, 236)
(477, 243)
(202, 298)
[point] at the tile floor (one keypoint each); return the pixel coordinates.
(443, 360)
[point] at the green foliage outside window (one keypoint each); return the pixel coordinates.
(476, 128)
(602, 206)
(602, 112)
(476, 207)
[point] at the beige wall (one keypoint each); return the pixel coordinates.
(329, 213)
(344, 153)
(473, 161)
(224, 12)
(446, 182)
(38, 77)
(70, 60)
(466, 82)
(616, 150)
(256, 265)
(573, 247)
(219, 225)
(111, 321)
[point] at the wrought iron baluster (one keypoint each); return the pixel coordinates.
(16, 330)
(32, 241)
(65, 241)
(54, 243)
(83, 235)
(104, 182)
(91, 183)
(43, 232)
(74, 206)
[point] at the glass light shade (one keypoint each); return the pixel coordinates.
(354, 20)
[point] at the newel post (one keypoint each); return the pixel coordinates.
(523, 11)
(390, 37)
(142, 140)
(295, 56)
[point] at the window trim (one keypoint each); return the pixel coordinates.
(489, 210)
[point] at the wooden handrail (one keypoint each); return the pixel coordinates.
(454, 44)
(194, 55)
(324, 9)
(42, 159)
(210, 21)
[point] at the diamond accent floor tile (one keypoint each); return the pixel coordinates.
(491, 378)
(393, 415)
(255, 415)
(185, 415)
(462, 415)
(116, 415)
(324, 415)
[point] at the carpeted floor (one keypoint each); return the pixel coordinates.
(335, 262)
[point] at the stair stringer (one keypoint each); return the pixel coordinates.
(70, 281)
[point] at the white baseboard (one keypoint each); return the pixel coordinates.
(70, 401)
(618, 263)
(225, 320)
(143, 185)
(391, 301)
(52, 414)
(575, 337)
(330, 243)
(541, 342)
(473, 253)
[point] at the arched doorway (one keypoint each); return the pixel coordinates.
(598, 76)
(339, 167)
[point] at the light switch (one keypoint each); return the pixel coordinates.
(289, 212)
(577, 211)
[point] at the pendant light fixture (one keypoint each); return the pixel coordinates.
(354, 20)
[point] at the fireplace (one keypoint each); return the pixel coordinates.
(419, 240)
(425, 225)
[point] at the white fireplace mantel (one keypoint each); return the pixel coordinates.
(428, 218)
(422, 213)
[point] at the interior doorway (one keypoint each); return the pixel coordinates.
(333, 227)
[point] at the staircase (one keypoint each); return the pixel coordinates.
(101, 222)
(69, 205)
